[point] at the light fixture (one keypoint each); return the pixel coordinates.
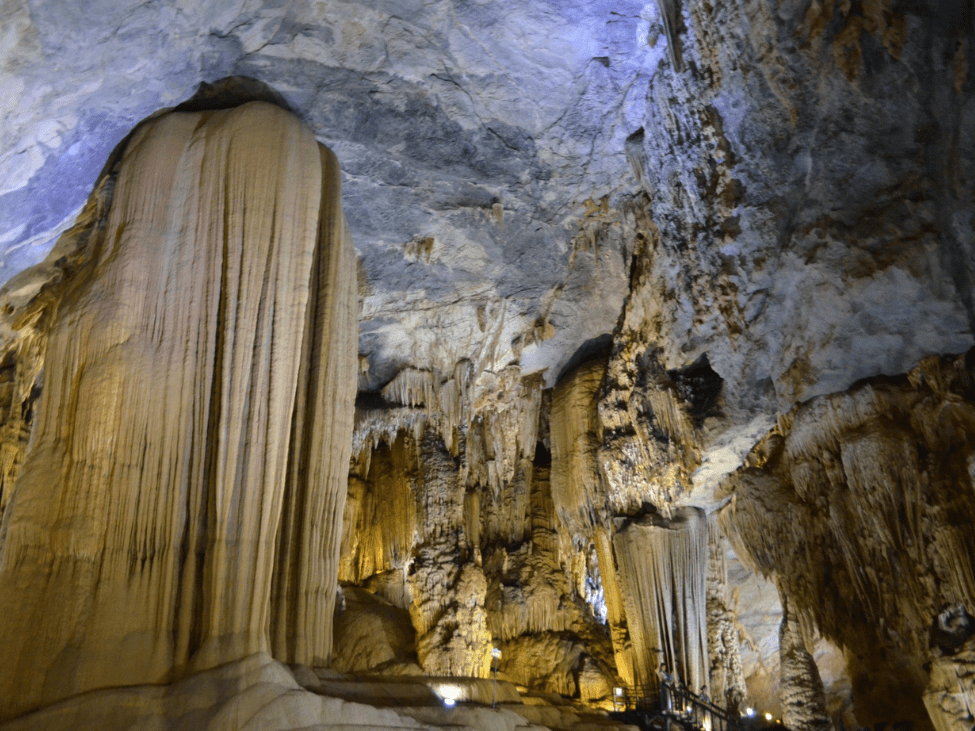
(749, 711)
(768, 716)
(450, 693)
(496, 653)
(618, 691)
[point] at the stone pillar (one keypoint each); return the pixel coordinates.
(662, 571)
(199, 375)
(801, 689)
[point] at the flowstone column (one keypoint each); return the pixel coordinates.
(663, 569)
(447, 585)
(199, 376)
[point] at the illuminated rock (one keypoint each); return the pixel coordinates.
(663, 570)
(183, 486)
(859, 504)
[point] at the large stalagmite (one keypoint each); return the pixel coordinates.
(183, 488)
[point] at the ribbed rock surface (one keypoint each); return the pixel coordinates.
(663, 570)
(860, 504)
(198, 369)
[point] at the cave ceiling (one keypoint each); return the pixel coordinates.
(497, 160)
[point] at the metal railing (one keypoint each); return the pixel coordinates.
(677, 704)
(691, 710)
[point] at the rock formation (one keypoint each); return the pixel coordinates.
(858, 503)
(621, 268)
(182, 490)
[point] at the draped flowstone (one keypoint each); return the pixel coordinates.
(181, 499)
(663, 568)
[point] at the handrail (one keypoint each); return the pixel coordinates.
(682, 705)
(677, 703)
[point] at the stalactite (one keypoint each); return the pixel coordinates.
(413, 387)
(504, 425)
(551, 640)
(615, 608)
(380, 517)
(577, 493)
(167, 437)
(663, 569)
(489, 420)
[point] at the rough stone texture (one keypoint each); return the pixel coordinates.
(663, 570)
(860, 504)
(810, 178)
(802, 693)
(372, 635)
(464, 176)
(784, 187)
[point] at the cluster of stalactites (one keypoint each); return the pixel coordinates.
(663, 565)
(489, 420)
(860, 503)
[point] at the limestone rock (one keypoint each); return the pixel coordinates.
(855, 503)
(254, 693)
(663, 570)
(197, 367)
(372, 635)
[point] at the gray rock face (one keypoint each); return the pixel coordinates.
(811, 177)
(808, 169)
(470, 134)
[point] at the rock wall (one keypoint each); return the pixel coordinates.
(198, 370)
(859, 504)
(809, 177)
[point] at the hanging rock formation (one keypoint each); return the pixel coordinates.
(197, 405)
(663, 570)
(859, 504)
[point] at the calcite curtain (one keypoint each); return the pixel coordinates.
(181, 499)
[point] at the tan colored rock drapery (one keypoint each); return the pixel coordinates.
(191, 446)
(861, 505)
(663, 568)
